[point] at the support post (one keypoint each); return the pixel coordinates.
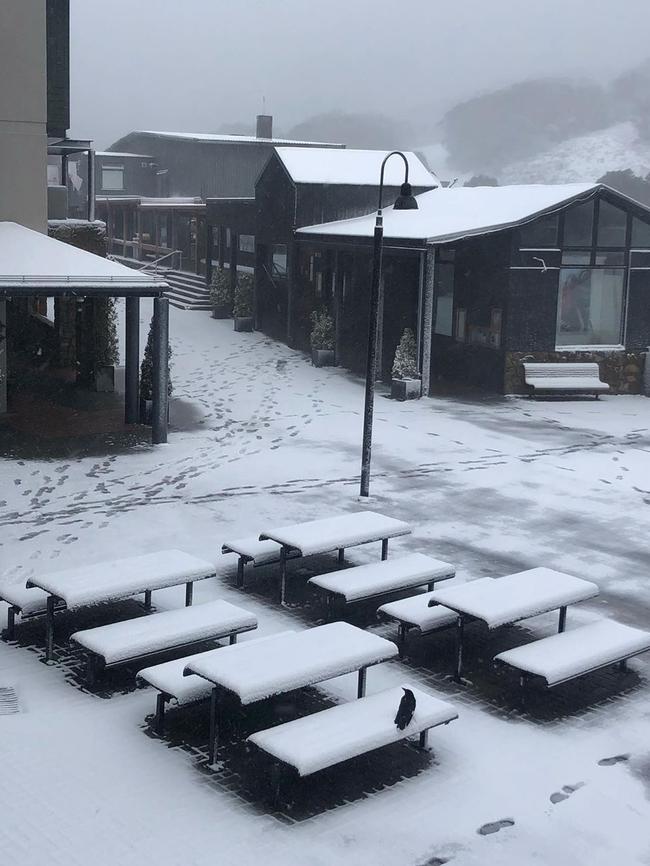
(424, 736)
(232, 639)
(159, 719)
(209, 252)
(214, 726)
(341, 555)
(234, 249)
(147, 599)
(132, 361)
(11, 623)
(427, 319)
(189, 593)
(283, 574)
(622, 665)
(460, 627)
(402, 631)
(3, 357)
(91, 185)
(240, 572)
(562, 620)
(361, 686)
(160, 388)
(222, 246)
(384, 548)
(91, 670)
(49, 628)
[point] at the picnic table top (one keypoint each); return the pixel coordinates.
(503, 600)
(122, 578)
(415, 611)
(29, 601)
(253, 549)
(341, 732)
(257, 670)
(568, 654)
(390, 574)
(330, 533)
(146, 634)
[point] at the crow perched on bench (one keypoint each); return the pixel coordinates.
(405, 710)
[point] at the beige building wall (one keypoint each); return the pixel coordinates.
(23, 133)
(23, 113)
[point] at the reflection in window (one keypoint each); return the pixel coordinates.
(444, 323)
(590, 307)
(279, 260)
(113, 177)
(247, 243)
(541, 233)
(640, 233)
(576, 258)
(612, 225)
(611, 259)
(578, 222)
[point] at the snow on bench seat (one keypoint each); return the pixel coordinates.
(133, 638)
(251, 549)
(27, 602)
(337, 533)
(339, 733)
(571, 654)
(120, 578)
(564, 377)
(414, 612)
(380, 578)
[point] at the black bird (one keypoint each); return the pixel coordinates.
(405, 710)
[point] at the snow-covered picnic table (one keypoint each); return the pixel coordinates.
(259, 670)
(505, 600)
(251, 549)
(333, 533)
(119, 579)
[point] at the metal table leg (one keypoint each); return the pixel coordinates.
(214, 726)
(11, 623)
(49, 628)
(562, 620)
(341, 554)
(159, 721)
(401, 639)
(384, 548)
(189, 593)
(424, 736)
(361, 687)
(283, 574)
(460, 628)
(240, 572)
(147, 599)
(233, 639)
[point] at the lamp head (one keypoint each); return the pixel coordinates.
(405, 200)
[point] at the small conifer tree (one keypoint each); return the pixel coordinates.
(244, 296)
(146, 369)
(221, 294)
(322, 332)
(405, 365)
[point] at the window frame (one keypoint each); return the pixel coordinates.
(113, 169)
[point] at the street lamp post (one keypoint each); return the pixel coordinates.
(405, 201)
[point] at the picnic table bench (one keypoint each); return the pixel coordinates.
(122, 642)
(415, 613)
(26, 603)
(506, 600)
(116, 580)
(171, 685)
(565, 378)
(571, 654)
(251, 549)
(327, 738)
(256, 671)
(333, 533)
(363, 582)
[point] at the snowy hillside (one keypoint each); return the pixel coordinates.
(584, 158)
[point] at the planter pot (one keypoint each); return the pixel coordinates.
(322, 357)
(221, 312)
(405, 389)
(243, 323)
(105, 379)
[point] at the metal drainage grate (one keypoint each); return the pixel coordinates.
(8, 701)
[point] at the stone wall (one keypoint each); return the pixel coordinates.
(623, 371)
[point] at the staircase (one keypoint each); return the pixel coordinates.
(187, 291)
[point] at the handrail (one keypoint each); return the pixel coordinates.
(156, 262)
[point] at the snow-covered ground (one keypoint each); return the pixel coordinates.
(493, 486)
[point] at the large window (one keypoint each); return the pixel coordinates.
(612, 225)
(578, 223)
(640, 233)
(247, 243)
(590, 307)
(113, 177)
(540, 234)
(444, 323)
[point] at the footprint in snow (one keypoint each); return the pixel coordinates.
(615, 759)
(565, 793)
(495, 826)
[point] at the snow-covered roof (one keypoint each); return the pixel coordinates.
(358, 167)
(31, 260)
(172, 201)
(450, 214)
(237, 139)
(118, 153)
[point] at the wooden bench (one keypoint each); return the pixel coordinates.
(363, 582)
(340, 733)
(564, 378)
(123, 642)
(571, 654)
(252, 550)
(172, 685)
(26, 603)
(415, 613)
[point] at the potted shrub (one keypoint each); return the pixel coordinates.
(322, 339)
(106, 353)
(243, 306)
(146, 379)
(406, 383)
(221, 294)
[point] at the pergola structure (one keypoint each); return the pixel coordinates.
(35, 265)
(67, 147)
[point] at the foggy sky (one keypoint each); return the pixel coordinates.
(195, 65)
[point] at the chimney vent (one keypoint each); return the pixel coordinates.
(264, 126)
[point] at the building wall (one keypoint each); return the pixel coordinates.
(23, 113)
(58, 67)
